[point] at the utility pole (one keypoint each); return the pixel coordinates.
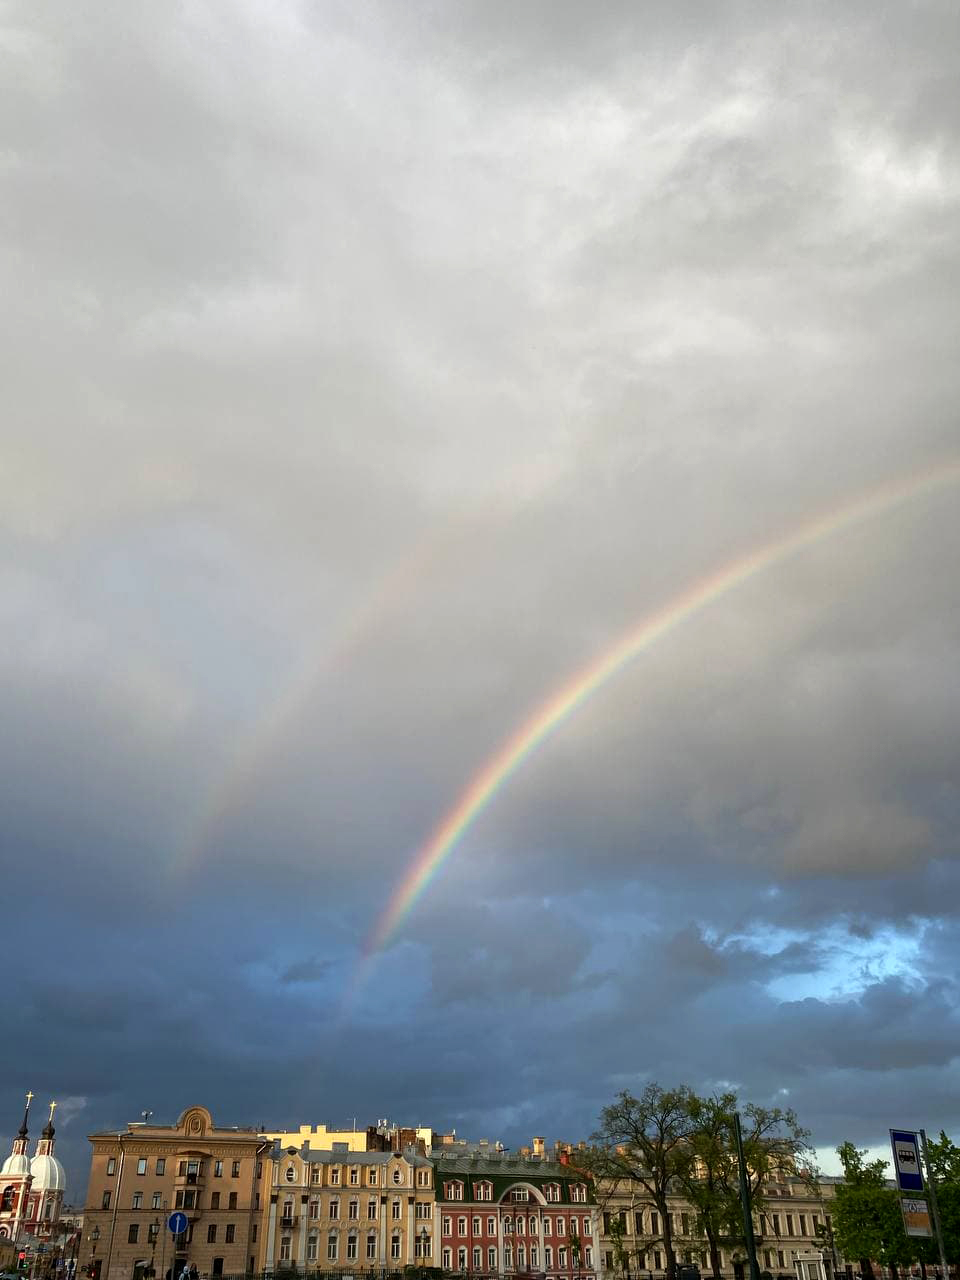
(934, 1211)
(745, 1201)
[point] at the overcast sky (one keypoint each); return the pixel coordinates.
(367, 371)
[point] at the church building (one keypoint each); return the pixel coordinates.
(31, 1190)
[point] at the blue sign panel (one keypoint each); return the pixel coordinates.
(906, 1160)
(177, 1223)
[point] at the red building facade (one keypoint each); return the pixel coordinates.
(521, 1216)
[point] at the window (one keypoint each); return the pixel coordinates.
(185, 1200)
(111, 1166)
(423, 1210)
(284, 1248)
(214, 1199)
(561, 1257)
(256, 1199)
(353, 1209)
(548, 1256)
(141, 1166)
(334, 1177)
(520, 1193)
(789, 1224)
(447, 1256)
(461, 1226)
(161, 1166)
(491, 1226)
(552, 1192)
(235, 1170)
(155, 1200)
(453, 1190)
(351, 1248)
(212, 1233)
(685, 1223)
(253, 1233)
(314, 1173)
(492, 1258)
(423, 1178)
(291, 1173)
(314, 1209)
(137, 1200)
(312, 1249)
(232, 1200)
(561, 1227)
(218, 1168)
(477, 1258)
(105, 1202)
(578, 1193)
(507, 1226)
(658, 1261)
(638, 1224)
(331, 1247)
(462, 1258)
(780, 1258)
(335, 1207)
(397, 1176)
(534, 1226)
(445, 1226)
(508, 1256)
(153, 1233)
(483, 1191)
(588, 1256)
(521, 1257)
(655, 1229)
(372, 1207)
(476, 1226)
(424, 1246)
(547, 1226)
(354, 1176)
(371, 1247)
(534, 1257)
(394, 1246)
(230, 1233)
(395, 1211)
(287, 1215)
(372, 1177)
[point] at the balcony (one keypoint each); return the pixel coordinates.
(289, 1220)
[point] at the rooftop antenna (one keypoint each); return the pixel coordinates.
(146, 1115)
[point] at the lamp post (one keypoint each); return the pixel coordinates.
(423, 1246)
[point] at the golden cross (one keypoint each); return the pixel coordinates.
(29, 1098)
(53, 1107)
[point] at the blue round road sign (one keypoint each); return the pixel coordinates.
(177, 1223)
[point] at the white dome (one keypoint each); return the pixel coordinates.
(15, 1166)
(47, 1173)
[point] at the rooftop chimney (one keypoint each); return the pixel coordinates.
(538, 1144)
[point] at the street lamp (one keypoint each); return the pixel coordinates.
(423, 1246)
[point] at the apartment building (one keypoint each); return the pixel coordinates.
(141, 1174)
(344, 1210)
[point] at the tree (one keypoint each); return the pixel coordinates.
(644, 1144)
(944, 1158)
(867, 1222)
(772, 1140)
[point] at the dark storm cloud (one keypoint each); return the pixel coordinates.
(368, 372)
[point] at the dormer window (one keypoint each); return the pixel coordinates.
(520, 1193)
(552, 1192)
(291, 1173)
(578, 1193)
(453, 1190)
(483, 1191)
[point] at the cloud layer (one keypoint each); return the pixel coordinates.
(367, 372)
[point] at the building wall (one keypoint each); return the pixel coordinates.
(786, 1227)
(139, 1176)
(343, 1210)
(511, 1215)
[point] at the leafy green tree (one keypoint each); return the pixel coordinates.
(643, 1145)
(867, 1222)
(944, 1158)
(772, 1140)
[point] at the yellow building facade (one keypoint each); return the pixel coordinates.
(341, 1209)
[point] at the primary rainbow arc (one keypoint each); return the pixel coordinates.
(550, 715)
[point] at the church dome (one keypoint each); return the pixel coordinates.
(15, 1166)
(47, 1173)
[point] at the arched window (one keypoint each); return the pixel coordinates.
(7, 1201)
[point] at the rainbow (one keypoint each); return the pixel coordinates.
(561, 705)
